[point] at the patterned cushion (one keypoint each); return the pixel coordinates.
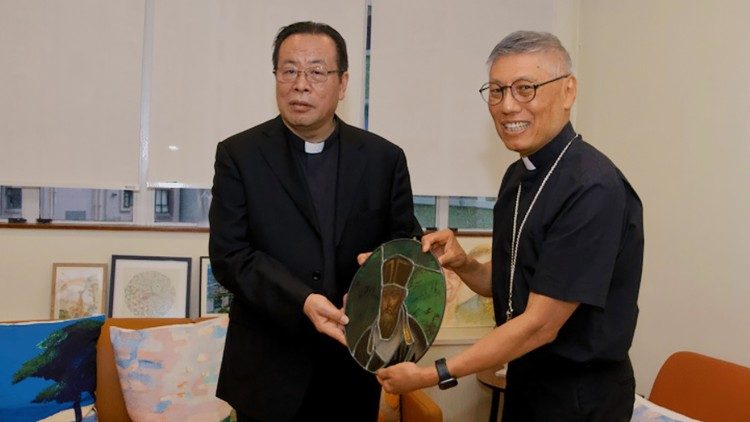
(48, 369)
(646, 411)
(170, 372)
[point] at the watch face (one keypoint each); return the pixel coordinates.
(395, 305)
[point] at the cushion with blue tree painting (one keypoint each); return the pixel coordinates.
(48, 369)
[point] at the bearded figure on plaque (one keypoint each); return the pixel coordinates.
(394, 336)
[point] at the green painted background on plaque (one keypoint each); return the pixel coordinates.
(425, 300)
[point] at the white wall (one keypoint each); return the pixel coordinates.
(28, 255)
(663, 92)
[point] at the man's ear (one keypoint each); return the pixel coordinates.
(570, 91)
(344, 82)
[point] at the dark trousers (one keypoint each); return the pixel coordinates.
(340, 390)
(561, 390)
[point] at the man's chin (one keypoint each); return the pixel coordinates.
(297, 118)
(521, 145)
(513, 145)
(297, 121)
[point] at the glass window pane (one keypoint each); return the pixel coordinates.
(424, 209)
(10, 202)
(127, 200)
(161, 205)
(64, 204)
(182, 205)
(472, 213)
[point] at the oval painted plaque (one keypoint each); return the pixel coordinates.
(395, 305)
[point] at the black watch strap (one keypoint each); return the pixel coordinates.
(445, 379)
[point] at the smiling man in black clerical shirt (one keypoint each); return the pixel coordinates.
(567, 254)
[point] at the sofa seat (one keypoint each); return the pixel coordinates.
(415, 406)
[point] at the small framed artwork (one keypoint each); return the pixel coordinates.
(463, 307)
(78, 290)
(149, 286)
(215, 299)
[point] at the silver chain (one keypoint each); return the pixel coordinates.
(516, 238)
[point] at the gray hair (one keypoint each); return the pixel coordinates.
(520, 42)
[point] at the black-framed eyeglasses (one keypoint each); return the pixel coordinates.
(523, 91)
(315, 74)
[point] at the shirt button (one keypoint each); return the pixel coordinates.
(316, 275)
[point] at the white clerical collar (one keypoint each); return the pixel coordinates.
(314, 148)
(529, 165)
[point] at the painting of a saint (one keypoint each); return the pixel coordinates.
(395, 305)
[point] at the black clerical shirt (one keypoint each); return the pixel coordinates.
(320, 170)
(582, 242)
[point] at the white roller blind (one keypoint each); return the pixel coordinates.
(212, 75)
(70, 83)
(427, 64)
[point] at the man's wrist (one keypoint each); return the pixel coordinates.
(474, 264)
(430, 376)
(445, 379)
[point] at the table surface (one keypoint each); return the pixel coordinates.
(488, 378)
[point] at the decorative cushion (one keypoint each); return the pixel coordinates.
(48, 369)
(644, 410)
(169, 373)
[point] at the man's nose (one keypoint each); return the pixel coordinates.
(509, 104)
(301, 83)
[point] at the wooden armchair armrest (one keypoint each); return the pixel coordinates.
(417, 406)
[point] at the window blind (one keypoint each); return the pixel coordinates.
(427, 64)
(212, 76)
(71, 90)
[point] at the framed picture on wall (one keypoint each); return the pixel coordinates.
(463, 307)
(149, 286)
(215, 299)
(78, 290)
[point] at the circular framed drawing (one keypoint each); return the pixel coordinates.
(395, 305)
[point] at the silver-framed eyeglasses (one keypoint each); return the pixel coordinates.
(523, 91)
(314, 74)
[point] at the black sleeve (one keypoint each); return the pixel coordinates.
(261, 282)
(403, 222)
(581, 246)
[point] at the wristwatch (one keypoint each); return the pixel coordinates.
(446, 380)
